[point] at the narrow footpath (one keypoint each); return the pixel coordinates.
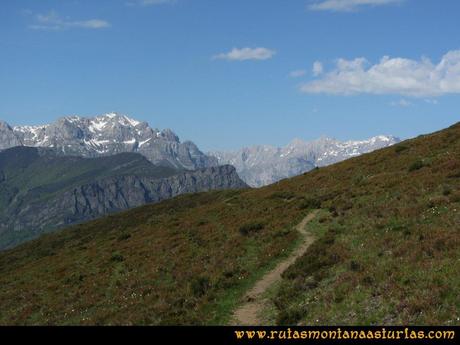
(254, 303)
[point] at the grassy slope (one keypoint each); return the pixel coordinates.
(390, 250)
(387, 250)
(166, 263)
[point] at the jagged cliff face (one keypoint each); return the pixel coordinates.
(107, 135)
(263, 165)
(7, 137)
(41, 192)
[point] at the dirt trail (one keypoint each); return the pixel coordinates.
(248, 313)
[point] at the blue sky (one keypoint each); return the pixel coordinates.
(227, 74)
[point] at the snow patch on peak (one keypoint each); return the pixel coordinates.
(382, 138)
(97, 125)
(131, 121)
(29, 128)
(111, 115)
(145, 142)
(121, 119)
(73, 119)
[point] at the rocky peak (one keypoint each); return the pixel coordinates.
(107, 134)
(7, 136)
(168, 134)
(264, 164)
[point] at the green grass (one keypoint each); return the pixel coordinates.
(387, 251)
(232, 297)
(391, 254)
(150, 277)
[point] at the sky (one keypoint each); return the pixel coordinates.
(227, 74)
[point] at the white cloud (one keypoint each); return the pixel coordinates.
(297, 73)
(242, 54)
(416, 78)
(401, 103)
(317, 68)
(347, 5)
(150, 2)
(52, 21)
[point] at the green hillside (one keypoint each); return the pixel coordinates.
(386, 251)
(39, 174)
(31, 178)
(28, 172)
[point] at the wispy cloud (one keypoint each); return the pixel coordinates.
(150, 2)
(416, 78)
(297, 73)
(237, 54)
(404, 103)
(347, 5)
(317, 68)
(53, 21)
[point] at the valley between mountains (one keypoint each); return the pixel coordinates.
(386, 250)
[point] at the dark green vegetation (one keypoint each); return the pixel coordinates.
(38, 173)
(31, 176)
(387, 250)
(41, 191)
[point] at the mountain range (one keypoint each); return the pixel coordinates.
(106, 135)
(114, 133)
(79, 168)
(41, 191)
(264, 164)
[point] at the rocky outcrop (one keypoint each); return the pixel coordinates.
(7, 137)
(113, 194)
(263, 165)
(85, 189)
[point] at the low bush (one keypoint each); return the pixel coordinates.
(438, 201)
(285, 195)
(117, 257)
(291, 316)
(124, 237)
(250, 228)
(309, 203)
(417, 165)
(200, 285)
(400, 148)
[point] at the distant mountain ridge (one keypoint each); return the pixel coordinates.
(114, 133)
(264, 164)
(106, 135)
(41, 191)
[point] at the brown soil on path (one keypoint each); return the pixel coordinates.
(248, 314)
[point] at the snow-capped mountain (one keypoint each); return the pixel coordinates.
(263, 165)
(107, 135)
(114, 133)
